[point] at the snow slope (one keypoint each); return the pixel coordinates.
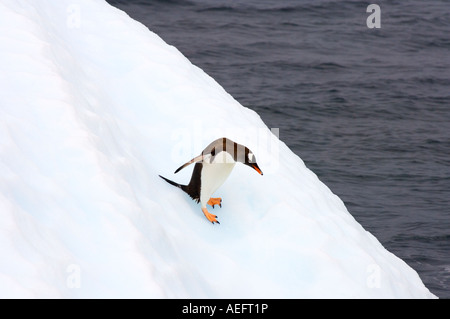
(93, 106)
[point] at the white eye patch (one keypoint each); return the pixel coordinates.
(251, 157)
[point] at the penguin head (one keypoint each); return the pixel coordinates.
(250, 160)
(224, 150)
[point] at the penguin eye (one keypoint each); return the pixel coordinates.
(213, 151)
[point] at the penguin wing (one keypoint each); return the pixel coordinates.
(195, 159)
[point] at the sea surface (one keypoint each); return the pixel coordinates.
(367, 109)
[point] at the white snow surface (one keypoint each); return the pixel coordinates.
(93, 106)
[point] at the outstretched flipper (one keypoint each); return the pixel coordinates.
(194, 160)
(193, 188)
(172, 182)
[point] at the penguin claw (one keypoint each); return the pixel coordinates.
(209, 216)
(215, 201)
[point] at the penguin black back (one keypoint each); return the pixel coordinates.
(193, 188)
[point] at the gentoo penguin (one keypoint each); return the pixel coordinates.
(212, 168)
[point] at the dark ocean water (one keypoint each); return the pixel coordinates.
(368, 110)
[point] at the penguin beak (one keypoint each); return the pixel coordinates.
(256, 168)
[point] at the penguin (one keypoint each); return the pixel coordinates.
(212, 168)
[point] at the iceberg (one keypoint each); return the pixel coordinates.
(93, 107)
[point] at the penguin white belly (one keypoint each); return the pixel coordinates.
(213, 176)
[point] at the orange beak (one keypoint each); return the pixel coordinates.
(256, 168)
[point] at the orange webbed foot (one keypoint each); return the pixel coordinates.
(215, 201)
(209, 216)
